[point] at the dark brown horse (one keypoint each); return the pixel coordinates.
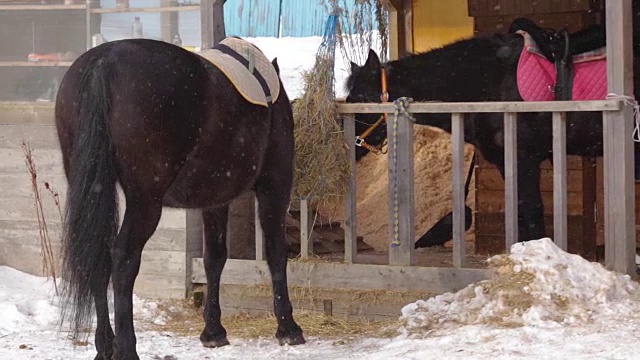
(484, 68)
(172, 130)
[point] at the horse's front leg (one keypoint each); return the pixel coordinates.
(215, 257)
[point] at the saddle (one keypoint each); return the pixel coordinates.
(562, 49)
(248, 69)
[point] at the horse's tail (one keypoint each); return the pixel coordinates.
(91, 214)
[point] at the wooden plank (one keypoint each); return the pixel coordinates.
(407, 9)
(489, 179)
(345, 303)
(212, 22)
(560, 180)
(350, 218)
(493, 202)
(511, 179)
(479, 107)
(26, 112)
(38, 137)
(349, 276)
(260, 249)
(161, 9)
(42, 7)
(401, 190)
(306, 228)
(620, 241)
(458, 169)
(35, 63)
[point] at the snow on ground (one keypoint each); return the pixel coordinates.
(542, 304)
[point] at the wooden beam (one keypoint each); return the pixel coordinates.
(194, 243)
(306, 228)
(459, 238)
(510, 179)
(393, 4)
(212, 22)
(619, 190)
(407, 13)
(560, 227)
(259, 235)
(348, 276)
(168, 21)
(350, 217)
(401, 190)
(479, 107)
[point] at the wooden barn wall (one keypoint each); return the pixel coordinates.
(166, 256)
(437, 23)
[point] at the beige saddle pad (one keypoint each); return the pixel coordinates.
(247, 68)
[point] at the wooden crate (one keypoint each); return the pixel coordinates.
(490, 218)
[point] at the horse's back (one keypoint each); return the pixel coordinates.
(177, 125)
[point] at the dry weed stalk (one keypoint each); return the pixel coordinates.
(48, 262)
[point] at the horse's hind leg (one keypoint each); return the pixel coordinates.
(272, 207)
(104, 333)
(140, 221)
(215, 256)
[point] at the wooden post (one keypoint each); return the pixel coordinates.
(560, 233)
(260, 251)
(212, 22)
(194, 247)
(619, 191)
(459, 239)
(510, 179)
(401, 191)
(168, 21)
(350, 219)
(306, 228)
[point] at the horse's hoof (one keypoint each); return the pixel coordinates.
(293, 339)
(215, 343)
(133, 356)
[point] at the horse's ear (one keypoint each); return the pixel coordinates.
(373, 61)
(274, 62)
(354, 67)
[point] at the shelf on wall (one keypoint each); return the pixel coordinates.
(145, 9)
(34, 63)
(43, 7)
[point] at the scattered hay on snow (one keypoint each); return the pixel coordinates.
(539, 285)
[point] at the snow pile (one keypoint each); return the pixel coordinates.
(30, 302)
(27, 302)
(536, 285)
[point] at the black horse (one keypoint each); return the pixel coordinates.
(172, 130)
(483, 68)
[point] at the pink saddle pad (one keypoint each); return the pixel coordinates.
(537, 76)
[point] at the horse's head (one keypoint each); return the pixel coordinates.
(366, 84)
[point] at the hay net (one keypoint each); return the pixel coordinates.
(536, 285)
(321, 161)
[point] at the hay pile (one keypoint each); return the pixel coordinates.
(537, 285)
(433, 184)
(321, 164)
